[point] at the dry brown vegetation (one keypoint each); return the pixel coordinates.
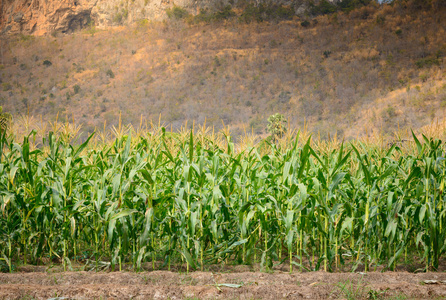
(371, 70)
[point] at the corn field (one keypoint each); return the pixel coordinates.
(183, 199)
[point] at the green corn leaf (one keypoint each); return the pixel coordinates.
(390, 200)
(12, 174)
(146, 176)
(396, 256)
(391, 228)
(336, 180)
(123, 213)
(111, 229)
(422, 213)
(188, 258)
(142, 253)
(417, 142)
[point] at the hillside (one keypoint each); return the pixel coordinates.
(374, 69)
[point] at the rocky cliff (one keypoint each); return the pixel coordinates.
(40, 17)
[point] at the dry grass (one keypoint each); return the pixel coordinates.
(370, 72)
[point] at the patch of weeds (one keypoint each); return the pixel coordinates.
(273, 44)
(63, 84)
(188, 280)
(120, 16)
(424, 77)
(389, 112)
(4, 267)
(376, 295)
(142, 23)
(380, 19)
(91, 29)
(78, 68)
(47, 63)
(6, 86)
(27, 297)
(351, 291)
(25, 37)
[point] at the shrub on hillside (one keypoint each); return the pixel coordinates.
(76, 89)
(266, 12)
(110, 73)
(6, 86)
(305, 23)
(225, 13)
(47, 63)
(176, 12)
(325, 7)
(427, 62)
(322, 8)
(207, 16)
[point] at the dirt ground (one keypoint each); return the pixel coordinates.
(218, 285)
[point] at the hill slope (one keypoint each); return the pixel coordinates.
(372, 69)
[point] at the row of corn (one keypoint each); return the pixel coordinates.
(171, 200)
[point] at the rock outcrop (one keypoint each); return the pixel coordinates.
(40, 17)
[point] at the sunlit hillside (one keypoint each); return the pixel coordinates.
(375, 69)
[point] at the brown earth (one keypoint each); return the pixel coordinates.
(211, 285)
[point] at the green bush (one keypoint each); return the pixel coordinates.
(305, 23)
(251, 13)
(225, 13)
(206, 16)
(176, 12)
(266, 12)
(380, 19)
(349, 5)
(47, 63)
(110, 73)
(76, 89)
(427, 62)
(120, 16)
(322, 8)
(325, 7)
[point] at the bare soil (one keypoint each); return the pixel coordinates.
(32, 283)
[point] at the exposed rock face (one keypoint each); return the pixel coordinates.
(43, 16)
(40, 17)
